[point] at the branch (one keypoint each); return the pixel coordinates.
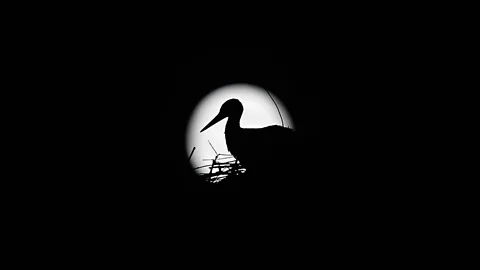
(213, 148)
(281, 118)
(191, 154)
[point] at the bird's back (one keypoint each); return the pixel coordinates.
(268, 153)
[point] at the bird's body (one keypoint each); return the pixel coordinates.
(265, 152)
(257, 148)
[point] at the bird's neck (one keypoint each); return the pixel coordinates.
(233, 123)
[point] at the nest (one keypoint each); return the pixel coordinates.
(222, 167)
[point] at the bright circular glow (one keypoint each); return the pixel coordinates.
(258, 111)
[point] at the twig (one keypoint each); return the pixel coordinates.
(213, 165)
(223, 158)
(281, 118)
(202, 167)
(212, 147)
(191, 154)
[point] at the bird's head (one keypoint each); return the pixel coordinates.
(231, 108)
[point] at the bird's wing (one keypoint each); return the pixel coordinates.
(271, 140)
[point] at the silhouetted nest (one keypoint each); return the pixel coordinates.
(223, 166)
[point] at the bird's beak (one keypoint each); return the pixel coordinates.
(215, 120)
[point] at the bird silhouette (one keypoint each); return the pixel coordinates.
(269, 154)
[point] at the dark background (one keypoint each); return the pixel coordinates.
(355, 105)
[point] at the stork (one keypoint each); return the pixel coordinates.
(265, 152)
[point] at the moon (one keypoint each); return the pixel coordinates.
(259, 111)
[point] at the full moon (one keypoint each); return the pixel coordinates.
(259, 111)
